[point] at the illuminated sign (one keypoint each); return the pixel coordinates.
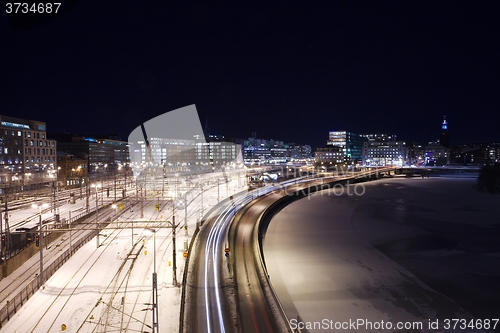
(15, 125)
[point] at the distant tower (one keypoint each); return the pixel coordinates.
(206, 130)
(445, 135)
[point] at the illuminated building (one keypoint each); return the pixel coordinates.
(350, 144)
(385, 153)
(445, 135)
(27, 157)
(436, 154)
(261, 151)
(103, 155)
(188, 156)
(328, 157)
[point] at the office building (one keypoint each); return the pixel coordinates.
(328, 157)
(27, 156)
(350, 144)
(103, 155)
(385, 153)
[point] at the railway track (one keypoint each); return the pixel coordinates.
(118, 285)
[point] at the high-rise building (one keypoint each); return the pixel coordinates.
(445, 135)
(350, 144)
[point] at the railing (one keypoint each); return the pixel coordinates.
(184, 279)
(15, 303)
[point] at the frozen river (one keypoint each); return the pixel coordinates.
(404, 250)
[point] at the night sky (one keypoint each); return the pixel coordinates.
(290, 71)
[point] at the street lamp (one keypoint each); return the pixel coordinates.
(155, 285)
(174, 259)
(40, 237)
(96, 186)
(51, 177)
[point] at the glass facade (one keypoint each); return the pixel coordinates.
(350, 144)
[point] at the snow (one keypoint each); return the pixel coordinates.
(93, 292)
(324, 257)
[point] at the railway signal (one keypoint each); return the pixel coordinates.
(37, 240)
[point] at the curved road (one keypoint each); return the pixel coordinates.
(255, 313)
(237, 300)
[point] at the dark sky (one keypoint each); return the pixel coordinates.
(289, 70)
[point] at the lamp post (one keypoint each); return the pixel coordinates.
(51, 176)
(96, 186)
(69, 226)
(174, 226)
(40, 237)
(201, 189)
(185, 214)
(142, 200)
(155, 285)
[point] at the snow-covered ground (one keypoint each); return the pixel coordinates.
(108, 288)
(407, 250)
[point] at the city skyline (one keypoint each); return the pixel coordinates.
(290, 72)
(382, 211)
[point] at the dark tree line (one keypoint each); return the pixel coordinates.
(489, 178)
